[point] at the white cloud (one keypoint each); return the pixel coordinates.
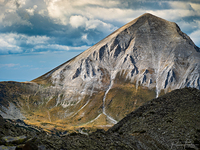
(112, 14)
(57, 47)
(11, 43)
(59, 11)
(195, 6)
(189, 26)
(31, 10)
(100, 25)
(77, 21)
(179, 5)
(9, 15)
(8, 45)
(14, 38)
(195, 37)
(62, 11)
(80, 21)
(100, 15)
(53, 47)
(103, 16)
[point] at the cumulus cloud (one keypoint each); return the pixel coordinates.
(31, 10)
(60, 25)
(8, 45)
(77, 21)
(14, 43)
(9, 15)
(18, 43)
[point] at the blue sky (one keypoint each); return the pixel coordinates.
(38, 35)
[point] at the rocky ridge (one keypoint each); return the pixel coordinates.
(168, 122)
(143, 59)
(148, 52)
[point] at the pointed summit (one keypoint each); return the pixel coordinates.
(145, 58)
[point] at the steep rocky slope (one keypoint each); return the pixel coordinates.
(172, 120)
(168, 122)
(143, 59)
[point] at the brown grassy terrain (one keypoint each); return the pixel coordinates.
(124, 98)
(40, 109)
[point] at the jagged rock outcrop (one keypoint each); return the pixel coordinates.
(143, 59)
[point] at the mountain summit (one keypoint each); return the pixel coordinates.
(145, 58)
(150, 51)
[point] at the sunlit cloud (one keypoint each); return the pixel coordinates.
(77, 21)
(66, 25)
(14, 43)
(8, 13)
(31, 10)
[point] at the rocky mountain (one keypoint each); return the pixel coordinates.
(142, 60)
(171, 121)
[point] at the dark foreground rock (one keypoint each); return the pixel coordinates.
(172, 120)
(168, 122)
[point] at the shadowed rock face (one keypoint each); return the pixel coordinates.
(168, 122)
(143, 59)
(172, 120)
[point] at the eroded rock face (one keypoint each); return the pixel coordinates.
(148, 52)
(152, 52)
(143, 59)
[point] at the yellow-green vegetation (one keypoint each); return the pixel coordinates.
(90, 111)
(40, 107)
(81, 113)
(123, 99)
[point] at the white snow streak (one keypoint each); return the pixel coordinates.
(49, 116)
(112, 77)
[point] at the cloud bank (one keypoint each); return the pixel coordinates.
(64, 25)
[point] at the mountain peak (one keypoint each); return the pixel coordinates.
(145, 58)
(148, 17)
